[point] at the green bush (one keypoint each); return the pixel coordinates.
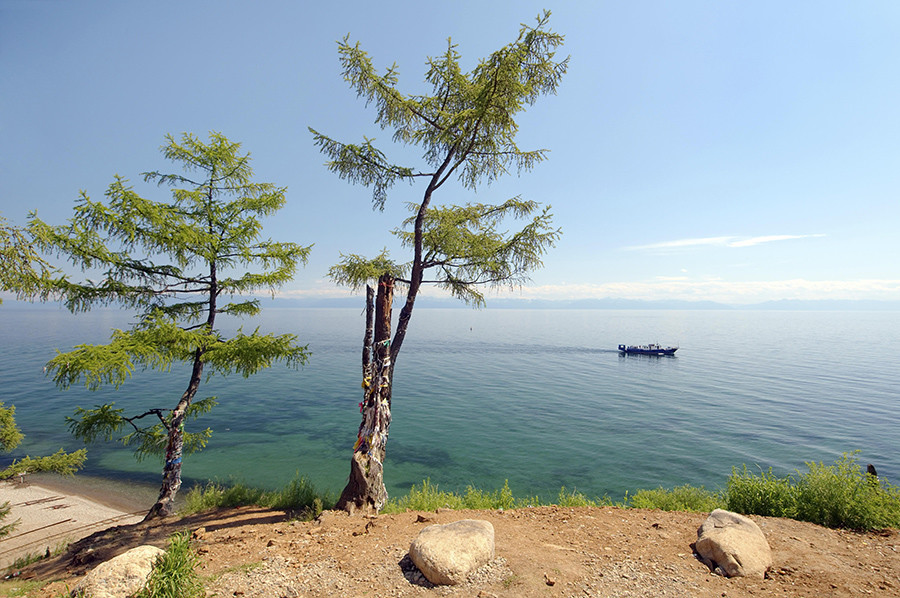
(839, 495)
(763, 494)
(842, 495)
(681, 498)
(174, 573)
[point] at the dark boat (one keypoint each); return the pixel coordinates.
(650, 349)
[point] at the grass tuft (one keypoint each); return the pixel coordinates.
(300, 498)
(174, 573)
(681, 498)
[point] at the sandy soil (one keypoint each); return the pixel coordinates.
(545, 551)
(52, 517)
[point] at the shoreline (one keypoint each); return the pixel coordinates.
(125, 496)
(52, 511)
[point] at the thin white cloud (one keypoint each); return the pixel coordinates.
(725, 241)
(732, 292)
(768, 239)
(682, 243)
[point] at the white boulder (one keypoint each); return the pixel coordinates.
(733, 545)
(121, 576)
(447, 554)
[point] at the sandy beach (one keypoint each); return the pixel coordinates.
(54, 511)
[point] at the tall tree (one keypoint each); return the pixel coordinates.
(466, 131)
(175, 262)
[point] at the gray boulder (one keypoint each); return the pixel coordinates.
(733, 545)
(121, 576)
(447, 554)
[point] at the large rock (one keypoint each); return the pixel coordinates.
(447, 554)
(734, 545)
(121, 576)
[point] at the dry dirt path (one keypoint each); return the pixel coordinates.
(545, 551)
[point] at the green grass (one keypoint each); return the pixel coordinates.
(681, 498)
(299, 497)
(577, 499)
(33, 557)
(19, 587)
(174, 573)
(839, 495)
(429, 497)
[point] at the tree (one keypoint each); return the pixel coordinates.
(174, 262)
(466, 130)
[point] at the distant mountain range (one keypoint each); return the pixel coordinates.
(608, 303)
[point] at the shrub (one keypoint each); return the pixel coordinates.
(842, 495)
(763, 494)
(839, 495)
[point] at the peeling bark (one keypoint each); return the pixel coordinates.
(365, 491)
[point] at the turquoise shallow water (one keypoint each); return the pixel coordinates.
(537, 397)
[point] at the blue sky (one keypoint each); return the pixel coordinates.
(721, 150)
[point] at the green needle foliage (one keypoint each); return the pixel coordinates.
(22, 269)
(180, 264)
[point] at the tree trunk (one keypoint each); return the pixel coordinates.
(365, 491)
(171, 483)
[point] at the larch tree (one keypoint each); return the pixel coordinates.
(465, 129)
(180, 264)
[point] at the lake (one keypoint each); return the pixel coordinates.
(540, 398)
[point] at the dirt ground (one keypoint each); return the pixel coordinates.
(545, 551)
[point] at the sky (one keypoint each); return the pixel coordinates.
(725, 151)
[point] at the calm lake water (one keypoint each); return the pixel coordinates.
(537, 397)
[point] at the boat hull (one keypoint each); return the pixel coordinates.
(656, 350)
